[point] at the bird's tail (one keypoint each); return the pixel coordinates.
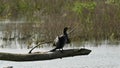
(53, 50)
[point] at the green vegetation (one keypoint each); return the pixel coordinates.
(79, 7)
(93, 19)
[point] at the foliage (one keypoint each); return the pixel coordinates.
(114, 2)
(79, 7)
(93, 19)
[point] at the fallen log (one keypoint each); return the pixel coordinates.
(36, 56)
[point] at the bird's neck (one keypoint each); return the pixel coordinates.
(65, 32)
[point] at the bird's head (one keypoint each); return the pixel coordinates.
(66, 28)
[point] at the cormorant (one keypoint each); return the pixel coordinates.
(61, 40)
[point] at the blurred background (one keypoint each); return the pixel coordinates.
(42, 20)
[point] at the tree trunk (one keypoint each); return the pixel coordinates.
(36, 56)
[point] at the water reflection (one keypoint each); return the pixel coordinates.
(19, 44)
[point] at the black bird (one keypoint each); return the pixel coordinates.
(61, 40)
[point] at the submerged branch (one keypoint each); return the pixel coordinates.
(38, 45)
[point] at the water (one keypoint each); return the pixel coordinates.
(103, 56)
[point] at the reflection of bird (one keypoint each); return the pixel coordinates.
(61, 40)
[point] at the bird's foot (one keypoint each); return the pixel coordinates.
(61, 51)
